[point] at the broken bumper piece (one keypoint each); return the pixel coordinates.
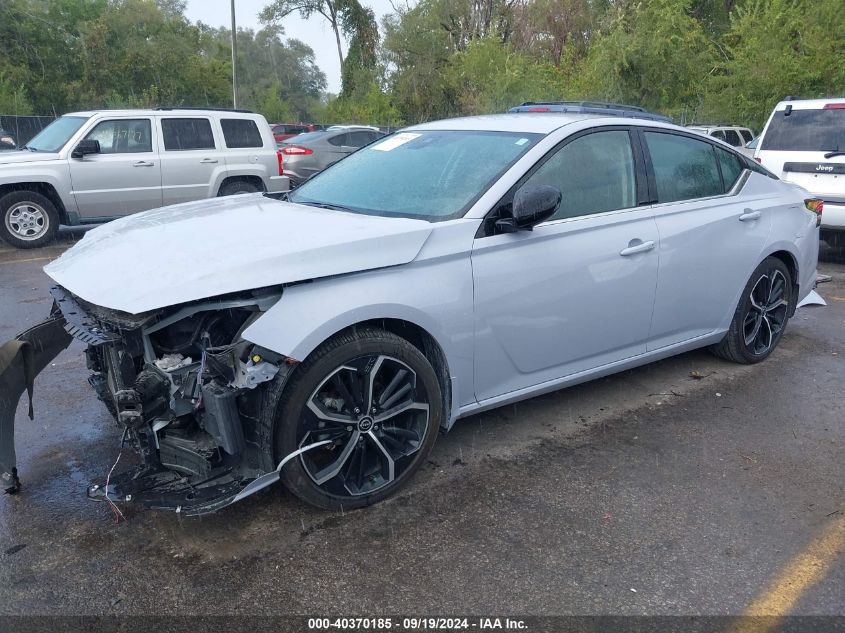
(21, 360)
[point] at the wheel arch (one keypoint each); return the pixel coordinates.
(403, 321)
(251, 178)
(46, 189)
(791, 262)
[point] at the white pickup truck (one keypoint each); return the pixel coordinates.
(88, 167)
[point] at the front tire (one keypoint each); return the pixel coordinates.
(377, 397)
(761, 316)
(29, 219)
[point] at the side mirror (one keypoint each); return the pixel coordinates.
(531, 205)
(86, 146)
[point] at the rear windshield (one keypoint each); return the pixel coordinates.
(806, 131)
(304, 138)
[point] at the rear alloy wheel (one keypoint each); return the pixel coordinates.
(761, 317)
(30, 220)
(376, 397)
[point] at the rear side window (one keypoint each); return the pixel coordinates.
(719, 134)
(732, 138)
(359, 139)
(184, 134)
(731, 167)
(595, 174)
(339, 140)
(684, 168)
(123, 136)
(241, 133)
(806, 131)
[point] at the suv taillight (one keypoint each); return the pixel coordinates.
(279, 158)
(296, 150)
(816, 206)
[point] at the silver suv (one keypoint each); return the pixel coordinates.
(90, 167)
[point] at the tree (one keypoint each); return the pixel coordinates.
(331, 10)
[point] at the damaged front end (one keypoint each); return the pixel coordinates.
(183, 387)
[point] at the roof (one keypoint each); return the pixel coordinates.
(154, 112)
(535, 122)
(808, 104)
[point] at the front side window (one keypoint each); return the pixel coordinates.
(186, 134)
(594, 173)
(426, 174)
(123, 136)
(241, 133)
(684, 168)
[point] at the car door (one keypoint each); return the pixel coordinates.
(124, 177)
(189, 158)
(577, 291)
(711, 233)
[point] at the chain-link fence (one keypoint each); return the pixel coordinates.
(23, 128)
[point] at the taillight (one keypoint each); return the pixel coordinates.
(816, 206)
(539, 109)
(279, 158)
(757, 158)
(296, 150)
(834, 106)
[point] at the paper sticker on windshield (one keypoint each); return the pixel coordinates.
(521, 141)
(395, 141)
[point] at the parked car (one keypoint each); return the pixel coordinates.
(95, 166)
(326, 335)
(804, 143)
(308, 154)
(284, 131)
(749, 147)
(731, 134)
(7, 141)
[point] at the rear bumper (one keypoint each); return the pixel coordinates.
(279, 183)
(833, 216)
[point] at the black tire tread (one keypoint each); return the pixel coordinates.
(287, 392)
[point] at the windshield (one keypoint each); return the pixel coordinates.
(53, 137)
(431, 175)
(806, 131)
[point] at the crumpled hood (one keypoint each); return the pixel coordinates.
(212, 247)
(13, 157)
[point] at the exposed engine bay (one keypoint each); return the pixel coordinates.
(182, 385)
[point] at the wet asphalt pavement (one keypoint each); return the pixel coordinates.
(684, 487)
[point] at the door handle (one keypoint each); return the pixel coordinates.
(748, 215)
(637, 248)
(208, 161)
(142, 163)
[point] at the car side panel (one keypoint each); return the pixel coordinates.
(434, 292)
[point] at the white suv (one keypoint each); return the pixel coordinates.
(730, 134)
(96, 166)
(804, 143)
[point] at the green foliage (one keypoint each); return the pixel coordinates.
(776, 48)
(651, 53)
(368, 106)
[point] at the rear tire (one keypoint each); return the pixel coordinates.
(233, 187)
(29, 219)
(377, 398)
(761, 316)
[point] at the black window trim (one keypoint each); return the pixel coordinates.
(131, 118)
(733, 191)
(188, 118)
(496, 212)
